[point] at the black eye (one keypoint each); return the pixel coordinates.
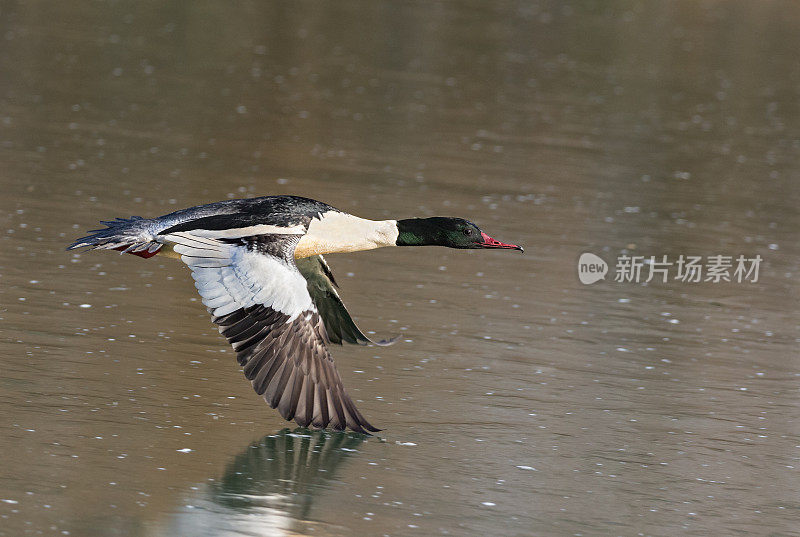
(468, 231)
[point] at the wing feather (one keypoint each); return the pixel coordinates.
(261, 304)
(322, 289)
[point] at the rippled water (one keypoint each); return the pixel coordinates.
(520, 401)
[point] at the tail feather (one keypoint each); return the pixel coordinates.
(133, 235)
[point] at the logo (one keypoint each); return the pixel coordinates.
(591, 268)
(686, 268)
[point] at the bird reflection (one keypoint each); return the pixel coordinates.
(270, 486)
(287, 468)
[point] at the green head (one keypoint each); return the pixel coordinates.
(445, 231)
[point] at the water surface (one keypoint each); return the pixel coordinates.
(520, 402)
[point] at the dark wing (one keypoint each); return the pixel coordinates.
(338, 323)
(259, 299)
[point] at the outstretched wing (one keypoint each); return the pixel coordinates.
(338, 323)
(260, 301)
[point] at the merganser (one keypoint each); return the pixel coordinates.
(258, 266)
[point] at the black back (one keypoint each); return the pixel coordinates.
(231, 214)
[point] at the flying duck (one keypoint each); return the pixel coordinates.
(258, 266)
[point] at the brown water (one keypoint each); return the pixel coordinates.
(521, 402)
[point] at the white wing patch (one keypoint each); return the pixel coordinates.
(230, 277)
(249, 231)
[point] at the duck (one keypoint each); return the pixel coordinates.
(259, 267)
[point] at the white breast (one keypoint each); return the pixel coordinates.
(336, 232)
